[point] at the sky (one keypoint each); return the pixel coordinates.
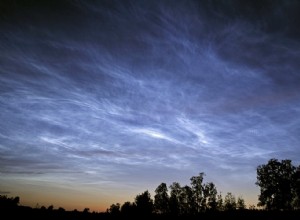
(102, 100)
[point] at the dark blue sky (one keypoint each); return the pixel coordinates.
(101, 100)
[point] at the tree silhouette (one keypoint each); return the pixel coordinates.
(240, 205)
(193, 200)
(6, 202)
(210, 194)
(61, 209)
(114, 209)
(175, 196)
(275, 180)
(187, 201)
(229, 202)
(220, 206)
(296, 189)
(86, 210)
(197, 187)
(128, 208)
(161, 199)
(50, 207)
(144, 203)
(196, 201)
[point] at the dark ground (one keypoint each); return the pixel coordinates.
(22, 212)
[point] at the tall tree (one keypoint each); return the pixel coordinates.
(275, 180)
(229, 202)
(144, 203)
(175, 195)
(161, 199)
(240, 205)
(296, 189)
(115, 209)
(197, 187)
(220, 206)
(210, 193)
(128, 208)
(187, 201)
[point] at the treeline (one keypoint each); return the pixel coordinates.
(198, 197)
(279, 183)
(10, 208)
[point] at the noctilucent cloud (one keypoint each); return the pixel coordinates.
(102, 100)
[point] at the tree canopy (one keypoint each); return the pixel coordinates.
(279, 185)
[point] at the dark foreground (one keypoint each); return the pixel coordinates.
(22, 212)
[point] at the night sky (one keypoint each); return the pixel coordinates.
(102, 100)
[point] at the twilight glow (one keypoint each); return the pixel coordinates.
(101, 100)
